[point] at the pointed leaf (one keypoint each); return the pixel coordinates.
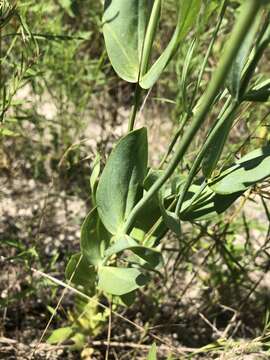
(120, 185)
(120, 281)
(251, 169)
(124, 26)
(94, 238)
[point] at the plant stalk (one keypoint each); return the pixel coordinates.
(246, 18)
(228, 115)
(135, 108)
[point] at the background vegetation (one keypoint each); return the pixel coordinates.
(60, 104)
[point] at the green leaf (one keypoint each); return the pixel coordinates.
(128, 299)
(151, 258)
(58, 336)
(81, 273)
(188, 13)
(170, 218)
(249, 170)
(94, 238)
(120, 281)
(234, 78)
(124, 26)
(120, 185)
(152, 355)
(123, 243)
(209, 206)
(260, 93)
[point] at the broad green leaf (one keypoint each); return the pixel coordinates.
(260, 92)
(152, 355)
(150, 257)
(81, 273)
(120, 281)
(120, 185)
(124, 26)
(94, 238)
(248, 171)
(58, 336)
(234, 78)
(188, 12)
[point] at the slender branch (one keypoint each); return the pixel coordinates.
(228, 115)
(135, 108)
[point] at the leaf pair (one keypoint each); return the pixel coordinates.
(129, 29)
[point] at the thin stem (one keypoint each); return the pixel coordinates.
(135, 108)
(150, 35)
(209, 50)
(226, 116)
(174, 140)
(247, 16)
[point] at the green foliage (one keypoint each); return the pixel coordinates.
(94, 238)
(120, 281)
(129, 40)
(120, 184)
(81, 273)
(248, 171)
(133, 207)
(124, 26)
(152, 355)
(125, 194)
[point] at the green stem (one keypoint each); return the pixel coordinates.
(174, 140)
(135, 108)
(150, 35)
(209, 50)
(227, 115)
(247, 16)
